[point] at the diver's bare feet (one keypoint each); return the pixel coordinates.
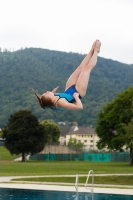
(97, 46)
(93, 46)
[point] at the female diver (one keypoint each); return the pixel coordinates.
(76, 85)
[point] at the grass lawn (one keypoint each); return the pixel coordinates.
(9, 168)
(5, 155)
(114, 180)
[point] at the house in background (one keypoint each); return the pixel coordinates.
(64, 131)
(86, 135)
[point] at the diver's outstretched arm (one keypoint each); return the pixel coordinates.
(55, 89)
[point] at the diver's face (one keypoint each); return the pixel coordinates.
(48, 94)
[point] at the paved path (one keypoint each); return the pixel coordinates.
(8, 178)
(5, 182)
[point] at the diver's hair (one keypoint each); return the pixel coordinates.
(39, 98)
(43, 101)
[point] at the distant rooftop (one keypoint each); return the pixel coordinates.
(66, 130)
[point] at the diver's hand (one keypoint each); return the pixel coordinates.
(76, 95)
(55, 89)
(78, 101)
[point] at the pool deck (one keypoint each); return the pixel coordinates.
(66, 188)
(5, 182)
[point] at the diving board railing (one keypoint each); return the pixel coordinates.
(86, 184)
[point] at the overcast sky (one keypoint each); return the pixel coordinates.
(69, 25)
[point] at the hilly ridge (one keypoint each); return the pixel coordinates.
(45, 69)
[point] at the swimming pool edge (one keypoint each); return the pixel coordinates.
(66, 188)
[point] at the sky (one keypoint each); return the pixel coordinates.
(69, 26)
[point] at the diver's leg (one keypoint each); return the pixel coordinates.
(74, 77)
(83, 79)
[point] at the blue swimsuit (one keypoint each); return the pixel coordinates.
(68, 95)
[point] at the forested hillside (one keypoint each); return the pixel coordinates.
(43, 70)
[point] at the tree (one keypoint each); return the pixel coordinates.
(1, 134)
(73, 143)
(23, 134)
(129, 138)
(52, 131)
(114, 123)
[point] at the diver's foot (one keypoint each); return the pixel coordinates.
(93, 46)
(97, 46)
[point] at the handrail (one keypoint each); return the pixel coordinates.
(76, 186)
(76, 182)
(92, 190)
(91, 171)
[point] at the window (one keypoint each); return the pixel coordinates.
(85, 140)
(82, 135)
(79, 140)
(91, 140)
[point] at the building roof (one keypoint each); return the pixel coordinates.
(70, 130)
(66, 129)
(83, 130)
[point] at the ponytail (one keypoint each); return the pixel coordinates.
(39, 99)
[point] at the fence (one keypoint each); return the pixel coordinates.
(1, 142)
(64, 153)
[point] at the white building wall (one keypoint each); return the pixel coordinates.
(89, 140)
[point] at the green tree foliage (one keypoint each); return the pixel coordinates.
(114, 126)
(1, 134)
(129, 139)
(43, 70)
(73, 143)
(52, 131)
(24, 134)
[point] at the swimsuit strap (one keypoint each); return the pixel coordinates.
(57, 100)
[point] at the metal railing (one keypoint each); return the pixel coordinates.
(76, 186)
(76, 183)
(86, 184)
(92, 188)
